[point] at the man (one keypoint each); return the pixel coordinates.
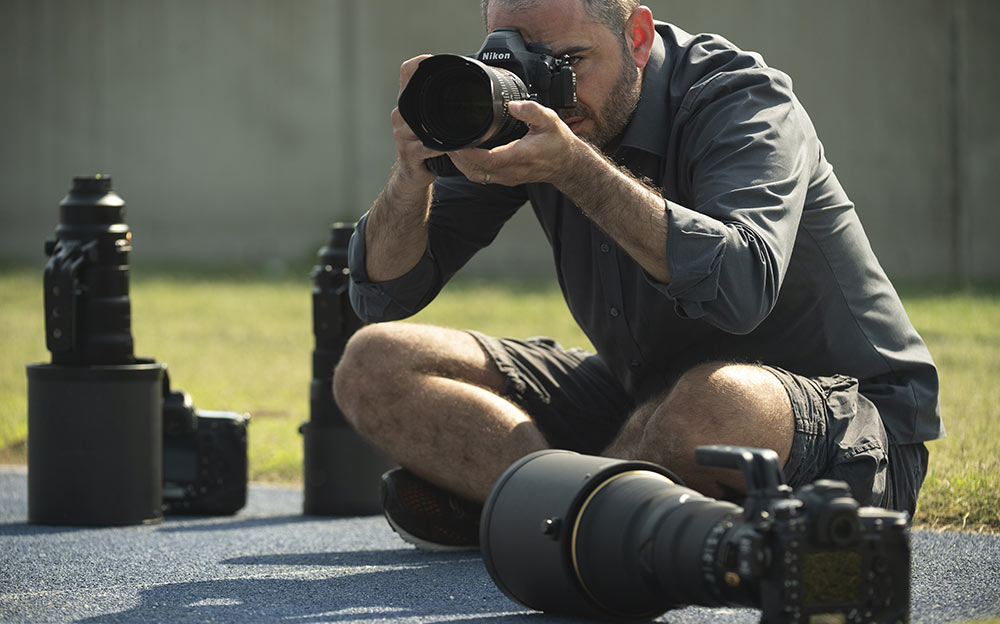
(703, 244)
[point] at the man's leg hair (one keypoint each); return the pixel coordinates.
(713, 403)
(429, 398)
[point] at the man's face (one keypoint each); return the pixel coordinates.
(607, 79)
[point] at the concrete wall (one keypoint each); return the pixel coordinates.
(238, 130)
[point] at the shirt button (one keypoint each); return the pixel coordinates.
(635, 363)
(614, 311)
(605, 247)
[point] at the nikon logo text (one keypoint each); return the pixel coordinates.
(496, 56)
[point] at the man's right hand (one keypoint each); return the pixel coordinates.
(396, 231)
(410, 169)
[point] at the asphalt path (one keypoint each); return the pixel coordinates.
(270, 563)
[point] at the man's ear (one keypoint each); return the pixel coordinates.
(639, 34)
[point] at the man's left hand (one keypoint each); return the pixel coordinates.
(545, 154)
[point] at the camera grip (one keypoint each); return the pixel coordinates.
(760, 466)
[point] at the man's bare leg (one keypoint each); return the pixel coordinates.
(713, 403)
(429, 398)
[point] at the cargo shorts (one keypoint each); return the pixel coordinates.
(578, 405)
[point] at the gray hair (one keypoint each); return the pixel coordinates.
(613, 14)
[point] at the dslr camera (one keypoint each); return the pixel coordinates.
(204, 457)
(452, 102)
(624, 541)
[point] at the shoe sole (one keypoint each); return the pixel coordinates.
(425, 545)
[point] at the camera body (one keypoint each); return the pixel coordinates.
(624, 541)
(204, 457)
(817, 553)
(453, 102)
(549, 80)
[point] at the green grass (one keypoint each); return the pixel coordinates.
(241, 342)
(962, 330)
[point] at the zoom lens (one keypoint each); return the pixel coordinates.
(453, 102)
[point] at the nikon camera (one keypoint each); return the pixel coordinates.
(622, 540)
(452, 102)
(204, 457)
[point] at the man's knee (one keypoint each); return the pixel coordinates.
(384, 365)
(727, 403)
(367, 361)
(372, 348)
(711, 393)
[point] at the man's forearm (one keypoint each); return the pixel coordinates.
(396, 232)
(629, 212)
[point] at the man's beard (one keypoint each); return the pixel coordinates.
(619, 108)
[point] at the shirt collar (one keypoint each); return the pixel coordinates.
(649, 128)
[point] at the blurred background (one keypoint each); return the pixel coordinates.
(238, 131)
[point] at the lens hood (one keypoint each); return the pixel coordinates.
(528, 528)
(453, 102)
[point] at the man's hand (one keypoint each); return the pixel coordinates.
(396, 232)
(543, 155)
(411, 152)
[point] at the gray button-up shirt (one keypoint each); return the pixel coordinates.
(768, 260)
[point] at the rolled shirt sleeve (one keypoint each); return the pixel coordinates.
(393, 299)
(464, 218)
(746, 175)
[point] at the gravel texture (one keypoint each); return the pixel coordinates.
(271, 563)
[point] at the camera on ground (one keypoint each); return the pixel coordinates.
(204, 457)
(625, 541)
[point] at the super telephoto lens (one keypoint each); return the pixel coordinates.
(623, 541)
(95, 421)
(588, 536)
(88, 312)
(453, 102)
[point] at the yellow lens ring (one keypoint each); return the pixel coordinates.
(583, 511)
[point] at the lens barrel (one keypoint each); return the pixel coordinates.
(641, 544)
(587, 536)
(87, 307)
(452, 102)
(340, 468)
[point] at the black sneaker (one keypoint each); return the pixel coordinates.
(427, 516)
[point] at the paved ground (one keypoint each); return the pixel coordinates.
(269, 563)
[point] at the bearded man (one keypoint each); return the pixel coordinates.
(703, 244)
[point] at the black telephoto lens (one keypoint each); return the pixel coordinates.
(341, 469)
(640, 542)
(95, 422)
(87, 307)
(452, 102)
(623, 541)
(601, 538)
(583, 535)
